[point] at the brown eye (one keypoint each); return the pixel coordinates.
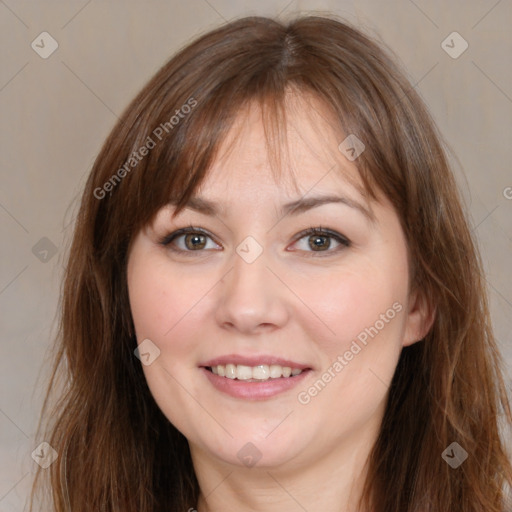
(194, 241)
(319, 241)
(188, 240)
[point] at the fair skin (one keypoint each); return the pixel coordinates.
(293, 302)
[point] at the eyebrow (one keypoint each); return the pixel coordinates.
(307, 203)
(299, 206)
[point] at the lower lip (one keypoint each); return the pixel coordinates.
(254, 390)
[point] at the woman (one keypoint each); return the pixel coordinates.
(273, 297)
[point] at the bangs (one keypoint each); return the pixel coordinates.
(216, 127)
(189, 111)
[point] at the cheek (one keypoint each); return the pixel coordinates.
(347, 304)
(156, 312)
(362, 313)
(168, 307)
(149, 301)
(159, 305)
(157, 298)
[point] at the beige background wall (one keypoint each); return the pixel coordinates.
(55, 113)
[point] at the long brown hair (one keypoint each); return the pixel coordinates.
(117, 451)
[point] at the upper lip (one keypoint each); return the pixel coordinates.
(253, 360)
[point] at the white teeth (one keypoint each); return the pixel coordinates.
(275, 371)
(230, 371)
(243, 372)
(260, 372)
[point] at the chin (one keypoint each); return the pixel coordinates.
(256, 448)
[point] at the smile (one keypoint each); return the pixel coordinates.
(261, 372)
(253, 388)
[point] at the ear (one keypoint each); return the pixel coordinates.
(420, 317)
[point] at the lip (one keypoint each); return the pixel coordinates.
(253, 390)
(254, 361)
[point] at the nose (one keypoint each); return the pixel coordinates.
(252, 297)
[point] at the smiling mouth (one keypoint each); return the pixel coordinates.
(258, 373)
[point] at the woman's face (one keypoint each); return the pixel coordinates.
(251, 297)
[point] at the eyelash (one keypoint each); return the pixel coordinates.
(342, 240)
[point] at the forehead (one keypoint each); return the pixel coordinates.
(305, 144)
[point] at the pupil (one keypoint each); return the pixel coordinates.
(193, 239)
(320, 244)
